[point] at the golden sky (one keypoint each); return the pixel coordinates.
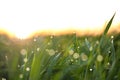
(22, 17)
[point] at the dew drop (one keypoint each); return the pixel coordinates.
(109, 51)
(97, 42)
(23, 52)
(21, 76)
(3, 78)
(71, 52)
(27, 69)
(108, 63)
(6, 58)
(76, 55)
(25, 60)
(71, 60)
(51, 52)
(99, 58)
(32, 51)
(76, 60)
(112, 37)
(91, 69)
(48, 43)
(51, 37)
(34, 40)
(38, 49)
(84, 57)
(18, 66)
(91, 48)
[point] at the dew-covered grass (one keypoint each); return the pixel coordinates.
(65, 57)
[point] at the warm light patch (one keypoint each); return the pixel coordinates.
(24, 17)
(7, 33)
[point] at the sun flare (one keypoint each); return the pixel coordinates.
(24, 17)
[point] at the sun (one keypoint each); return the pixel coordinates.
(22, 35)
(25, 17)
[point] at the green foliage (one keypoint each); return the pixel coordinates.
(66, 57)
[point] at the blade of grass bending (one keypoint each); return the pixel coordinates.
(109, 24)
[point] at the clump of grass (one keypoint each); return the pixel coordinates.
(65, 57)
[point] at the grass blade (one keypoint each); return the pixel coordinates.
(108, 25)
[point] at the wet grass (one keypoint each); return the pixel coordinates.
(66, 57)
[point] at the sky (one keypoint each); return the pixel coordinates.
(22, 17)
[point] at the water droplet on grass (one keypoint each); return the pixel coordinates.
(27, 69)
(34, 40)
(6, 58)
(109, 51)
(4, 79)
(71, 60)
(76, 55)
(51, 52)
(71, 52)
(21, 76)
(32, 51)
(23, 52)
(91, 48)
(97, 42)
(108, 63)
(99, 58)
(112, 37)
(18, 66)
(91, 69)
(48, 43)
(38, 49)
(25, 60)
(76, 60)
(84, 57)
(51, 36)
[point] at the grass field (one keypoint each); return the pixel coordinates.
(66, 57)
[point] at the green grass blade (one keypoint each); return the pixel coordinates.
(103, 37)
(108, 25)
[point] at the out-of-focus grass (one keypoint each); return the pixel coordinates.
(66, 57)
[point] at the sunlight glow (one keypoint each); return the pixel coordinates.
(24, 17)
